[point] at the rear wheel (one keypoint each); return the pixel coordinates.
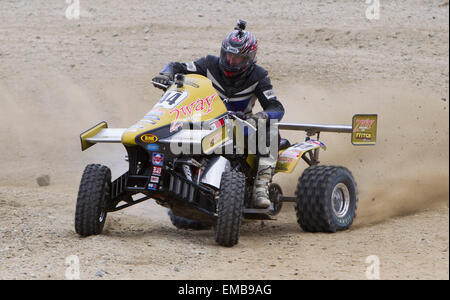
(93, 196)
(183, 223)
(230, 205)
(326, 199)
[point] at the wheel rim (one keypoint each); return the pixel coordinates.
(272, 190)
(340, 200)
(102, 217)
(274, 195)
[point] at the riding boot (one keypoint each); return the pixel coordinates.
(261, 186)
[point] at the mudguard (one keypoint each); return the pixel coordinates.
(288, 158)
(100, 133)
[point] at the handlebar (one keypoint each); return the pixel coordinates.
(162, 86)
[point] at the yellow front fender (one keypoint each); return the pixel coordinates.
(100, 133)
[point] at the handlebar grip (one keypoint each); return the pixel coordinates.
(160, 85)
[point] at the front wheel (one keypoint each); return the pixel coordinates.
(230, 205)
(93, 197)
(326, 199)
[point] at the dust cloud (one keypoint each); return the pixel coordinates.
(42, 121)
(406, 171)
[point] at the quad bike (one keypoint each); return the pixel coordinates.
(211, 187)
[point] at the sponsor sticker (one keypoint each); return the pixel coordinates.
(364, 129)
(363, 125)
(148, 121)
(156, 112)
(215, 139)
(186, 112)
(153, 147)
(286, 159)
(157, 171)
(233, 49)
(269, 94)
(152, 117)
(136, 126)
(291, 153)
(363, 135)
(318, 143)
(152, 186)
(154, 179)
(149, 138)
(217, 124)
(305, 146)
(158, 159)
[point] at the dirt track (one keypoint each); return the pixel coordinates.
(327, 62)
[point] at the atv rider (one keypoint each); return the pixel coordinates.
(237, 78)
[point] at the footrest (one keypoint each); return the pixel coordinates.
(257, 214)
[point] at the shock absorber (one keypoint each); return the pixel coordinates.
(187, 171)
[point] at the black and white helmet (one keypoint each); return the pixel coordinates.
(238, 51)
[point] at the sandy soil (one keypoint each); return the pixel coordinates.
(327, 62)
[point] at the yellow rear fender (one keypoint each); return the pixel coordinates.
(288, 158)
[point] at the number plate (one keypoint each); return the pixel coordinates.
(172, 99)
(364, 129)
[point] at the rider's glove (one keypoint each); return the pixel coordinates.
(239, 114)
(259, 116)
(163, 79)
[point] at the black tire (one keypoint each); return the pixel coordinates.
(326, 199)
(183, 223)
(275, 194)
(93, 196)
(230, 205)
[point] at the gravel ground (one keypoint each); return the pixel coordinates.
(327, 61)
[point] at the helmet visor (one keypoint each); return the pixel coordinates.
(233, 62)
